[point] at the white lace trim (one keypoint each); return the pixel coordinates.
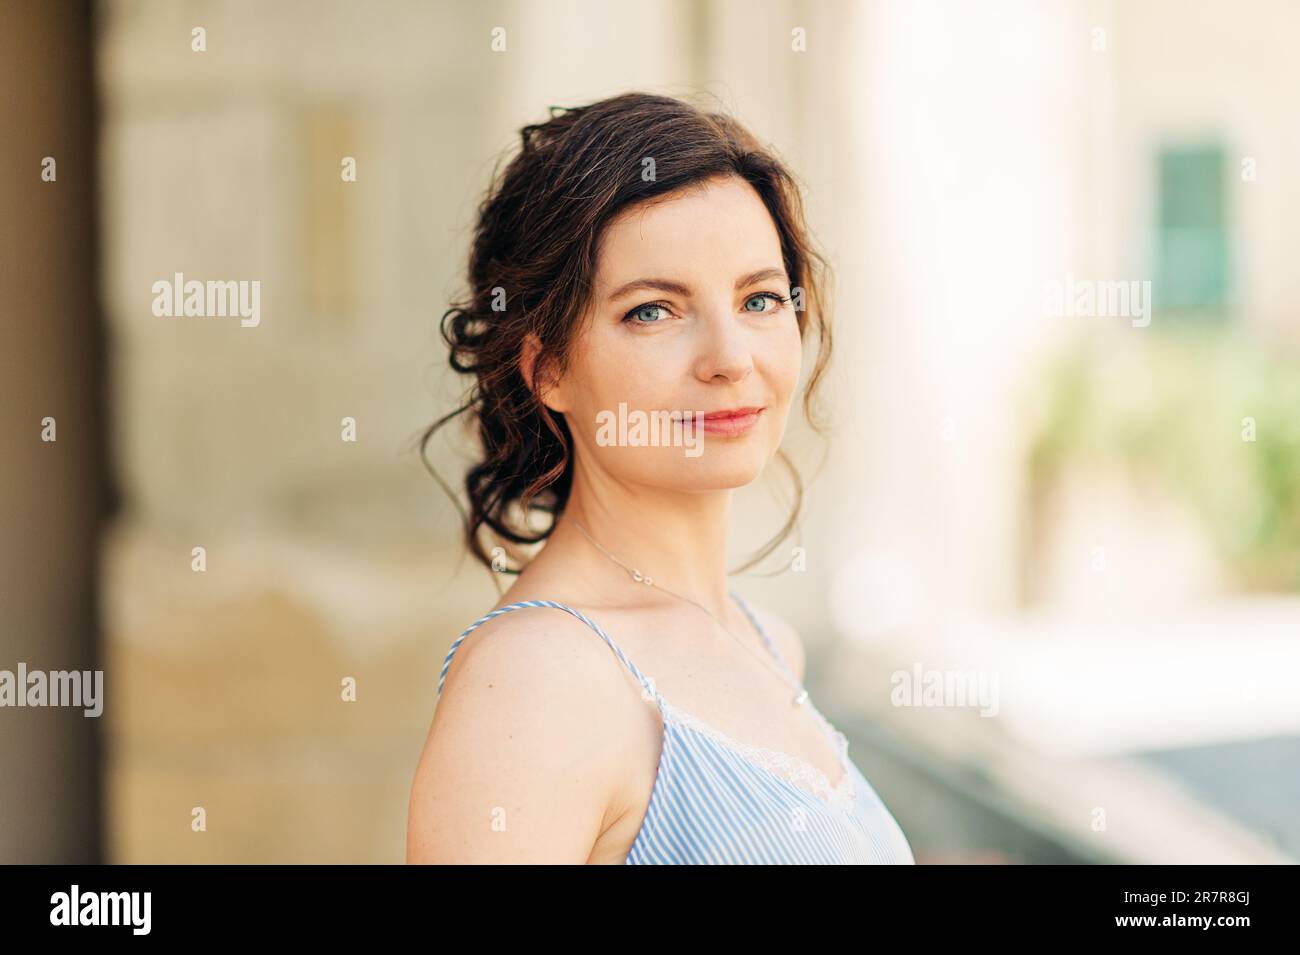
(841, 795)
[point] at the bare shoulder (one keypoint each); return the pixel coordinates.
(526, 749)
(786, 637)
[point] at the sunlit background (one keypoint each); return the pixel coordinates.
(1064, 471)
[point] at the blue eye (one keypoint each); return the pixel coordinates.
(641, 310)
(761, 296)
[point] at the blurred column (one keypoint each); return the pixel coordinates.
(52, 493)
(961, 195)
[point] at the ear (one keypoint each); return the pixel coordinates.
(548, 391)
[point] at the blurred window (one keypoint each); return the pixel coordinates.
(1193, 267)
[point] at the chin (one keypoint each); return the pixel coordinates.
(717, 469)
(726, 479)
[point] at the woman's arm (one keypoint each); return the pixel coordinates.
(525, 753)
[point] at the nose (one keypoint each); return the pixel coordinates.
(724, 348)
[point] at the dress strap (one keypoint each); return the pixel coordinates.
(646, 682)
(763, 633)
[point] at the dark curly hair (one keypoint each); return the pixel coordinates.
(533, 263)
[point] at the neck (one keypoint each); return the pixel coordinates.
(678, 539)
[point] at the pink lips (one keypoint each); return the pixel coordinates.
(731, 423)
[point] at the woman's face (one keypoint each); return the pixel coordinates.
(690, 315)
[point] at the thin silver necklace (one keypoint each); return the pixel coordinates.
(801, 694)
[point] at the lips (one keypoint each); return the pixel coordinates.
(730, 423)
(732, 413)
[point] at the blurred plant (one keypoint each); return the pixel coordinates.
(1176, 408)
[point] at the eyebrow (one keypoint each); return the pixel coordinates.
(677, 288)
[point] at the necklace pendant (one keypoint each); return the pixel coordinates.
(801, 698)
(636, 575)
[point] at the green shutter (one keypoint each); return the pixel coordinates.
(1193, 267)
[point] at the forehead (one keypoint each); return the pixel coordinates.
(716, 224)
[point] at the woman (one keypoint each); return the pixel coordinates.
(641, 286)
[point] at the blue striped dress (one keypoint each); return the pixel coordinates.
(719, 801)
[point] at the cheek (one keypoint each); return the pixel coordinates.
(786, 362)
(607, 378)
(628, 371)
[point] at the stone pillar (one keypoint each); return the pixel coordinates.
(53, 493)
